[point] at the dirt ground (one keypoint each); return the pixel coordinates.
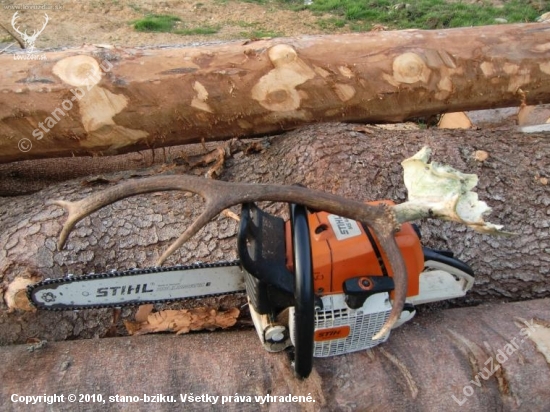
(73, 23)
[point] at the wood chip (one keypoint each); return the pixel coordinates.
(184, 321)
(16, 295)
(457, 120)
(481, 155)
(232, 215)
(363, 129)
(143, 312)
(542, 180)
(535, 129)
(533, 115)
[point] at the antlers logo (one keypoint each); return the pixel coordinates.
(29, 40)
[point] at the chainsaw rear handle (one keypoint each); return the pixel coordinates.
(304, 312)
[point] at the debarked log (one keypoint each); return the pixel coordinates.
(513, 180)
(438, 361)
(105, 100)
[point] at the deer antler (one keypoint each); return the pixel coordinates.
(36, 33)
(222, 195)
(13, 20)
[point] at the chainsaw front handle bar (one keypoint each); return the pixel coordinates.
(304, 312)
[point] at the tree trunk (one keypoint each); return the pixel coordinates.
(106, 100)
(439, 361)
(28, 176)
(336, 158)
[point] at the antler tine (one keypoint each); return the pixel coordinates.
(222, 195)
(13, 20)
(35, 33)
(202, 220)
(80, 209)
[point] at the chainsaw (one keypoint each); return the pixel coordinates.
(319, 284)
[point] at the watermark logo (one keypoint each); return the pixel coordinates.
(29, 40)
(24, 145)
(86, 85)
(491, 367)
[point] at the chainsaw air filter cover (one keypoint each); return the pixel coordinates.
(340, 330)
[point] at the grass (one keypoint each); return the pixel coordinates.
(331, 23)
(156, 23)
(162, 23)
(246, 24)
(255, 30)
(197, 31)
(260, 34)
(422, 14)
(361, 15)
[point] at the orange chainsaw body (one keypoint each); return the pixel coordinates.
(326, 280)
(342, 249)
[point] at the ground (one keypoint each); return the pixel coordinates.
(95, 22)
(73, 23)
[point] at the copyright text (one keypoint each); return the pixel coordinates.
(160, 398)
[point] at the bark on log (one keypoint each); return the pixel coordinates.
(420, 368)
(336, 158)
(98, 100)
(28, 176)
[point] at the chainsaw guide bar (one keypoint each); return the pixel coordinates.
(133, 287)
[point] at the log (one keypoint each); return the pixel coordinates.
(336, 158)
(105, 100)
(28, 176)
(439, 361)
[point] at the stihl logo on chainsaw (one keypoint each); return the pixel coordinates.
(344, 228)
(144, 288)
(340, 332)
(123, 290)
